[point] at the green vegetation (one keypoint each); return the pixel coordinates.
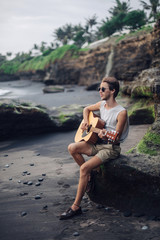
(134, 19)
(24, 62)
(141, 112)
(142, 91)
(140, 31)
(122, 37)
(19, 108)
(63, 118)
(10, 67)
(153, 7)
(150, 144)
(121, 17)
(139, 104)
(40, 62)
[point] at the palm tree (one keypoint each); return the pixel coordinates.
(90, 22)
(35, 46)
(9, 54)
(68, 29)
(52, 45)
(121, 7)
(77, 28)
(59, 34)
(153, 7)
(43, 46)
(89, 32)
(64, 33)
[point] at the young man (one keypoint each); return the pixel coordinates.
(115, 117)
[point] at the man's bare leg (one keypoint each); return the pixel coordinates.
(77, 149)
(85, 170)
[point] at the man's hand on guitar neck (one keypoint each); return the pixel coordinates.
(102, 134)
(111, 136)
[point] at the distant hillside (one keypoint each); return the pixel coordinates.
(31, 64)
(39, 62)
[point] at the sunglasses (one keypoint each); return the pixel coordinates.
(102, 89)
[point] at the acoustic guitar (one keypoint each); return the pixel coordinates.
(91, 134)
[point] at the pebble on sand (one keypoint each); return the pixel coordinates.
(23, 194)
(40, 179)
(30, 183)
(75, 234)
(37, 197)
(144, 227)
(37, 184)
(25, 182)
(23, 214)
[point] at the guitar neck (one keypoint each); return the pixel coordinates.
(111, 135)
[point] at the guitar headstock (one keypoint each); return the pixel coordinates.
(112, 135)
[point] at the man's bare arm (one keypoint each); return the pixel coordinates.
(86, 111)
(121, 121)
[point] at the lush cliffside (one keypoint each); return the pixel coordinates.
(83, 69)
(129, 58)
(123, 58)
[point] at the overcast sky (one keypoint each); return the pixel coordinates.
(26, 22)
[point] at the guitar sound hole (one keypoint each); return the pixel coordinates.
(86, 132)
(89, 128)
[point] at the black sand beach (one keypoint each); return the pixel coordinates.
(39, 181)
(45, 159)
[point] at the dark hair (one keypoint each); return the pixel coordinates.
(113, 84)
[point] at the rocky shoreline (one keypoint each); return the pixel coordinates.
(123, 183)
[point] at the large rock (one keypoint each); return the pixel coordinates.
(143, 115)
(53, 89)
(130, 184)
(131, 56)
(21, 119)
(143, 85)
(64, 71)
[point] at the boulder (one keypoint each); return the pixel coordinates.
(53, 89)
(93, 86)
(24, 119)
(129, 183)
(143, 115)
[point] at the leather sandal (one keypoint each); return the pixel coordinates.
(70, 213)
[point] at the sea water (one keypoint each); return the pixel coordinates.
(33, 91)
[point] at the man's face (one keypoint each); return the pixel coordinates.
(104, 91)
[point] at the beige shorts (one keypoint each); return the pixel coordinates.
(105, 151)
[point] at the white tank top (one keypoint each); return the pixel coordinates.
(110, 117)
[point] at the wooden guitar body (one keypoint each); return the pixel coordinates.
(89, 136)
